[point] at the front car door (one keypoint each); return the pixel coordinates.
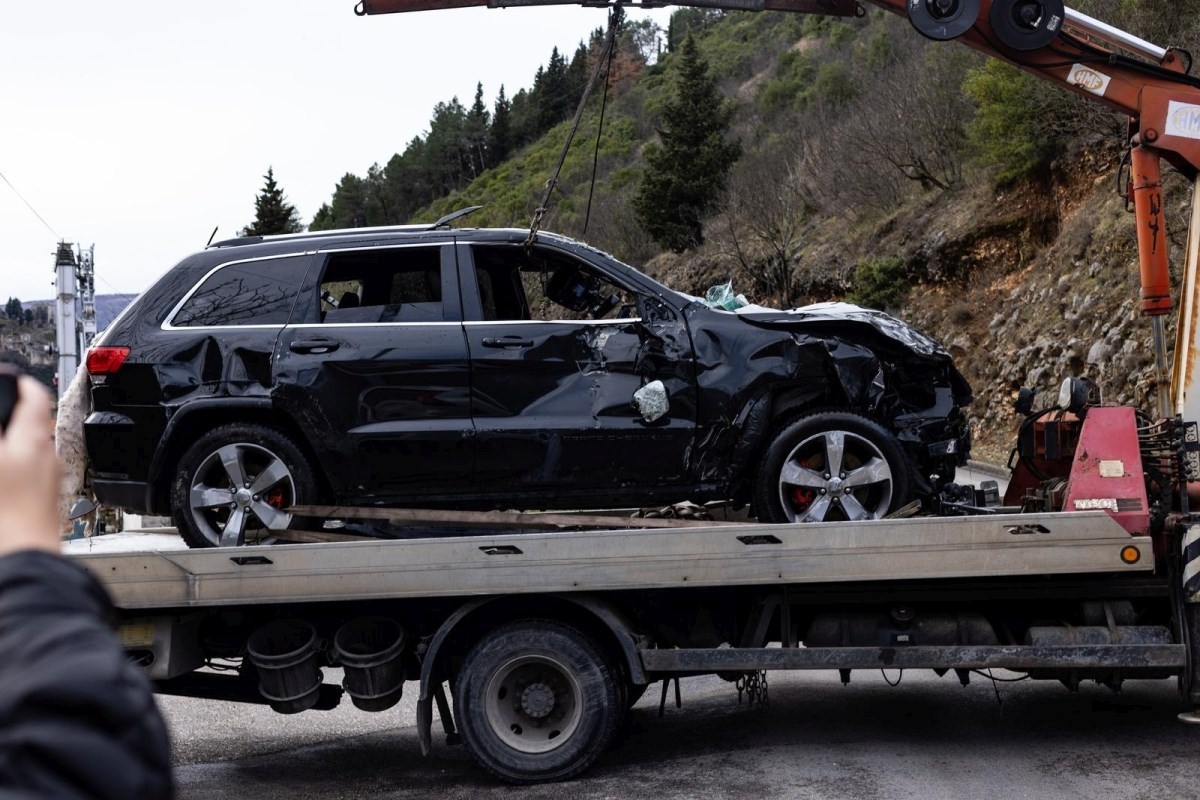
(375, 364)
(559, 347)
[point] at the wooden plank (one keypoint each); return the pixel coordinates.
(315, 537)
(519, 519)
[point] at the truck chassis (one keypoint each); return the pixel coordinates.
(553, 635)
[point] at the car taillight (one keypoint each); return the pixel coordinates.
(106, 360)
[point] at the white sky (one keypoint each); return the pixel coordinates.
(138, 126)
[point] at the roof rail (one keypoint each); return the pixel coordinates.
(443, 222)
(243, 240)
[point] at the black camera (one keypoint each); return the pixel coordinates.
(8, 394)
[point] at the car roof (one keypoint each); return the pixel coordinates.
(319, 239)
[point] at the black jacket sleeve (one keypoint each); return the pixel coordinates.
(76, 718)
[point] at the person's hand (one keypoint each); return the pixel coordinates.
(29, 475)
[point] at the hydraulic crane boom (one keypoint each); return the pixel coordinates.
(1147, 83)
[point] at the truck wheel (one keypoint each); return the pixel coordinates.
(233, 484)
(537, 701)
(831, 466)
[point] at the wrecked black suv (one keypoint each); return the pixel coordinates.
(428, 367)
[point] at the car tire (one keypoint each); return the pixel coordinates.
(274, 474)
(793, 482)
(565, 716)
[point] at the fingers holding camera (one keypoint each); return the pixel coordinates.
(29, 475)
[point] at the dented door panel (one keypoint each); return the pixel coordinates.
(553, 403)
(560, 410)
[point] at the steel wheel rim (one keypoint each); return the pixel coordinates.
(237, 493)
(835, 475)
(533, 704)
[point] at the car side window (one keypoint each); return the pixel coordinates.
(403, 284)
(545, 286)
(258, 292)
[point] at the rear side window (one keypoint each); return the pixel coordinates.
(403, 284)
(248, 293)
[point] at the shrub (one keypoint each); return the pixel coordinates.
(880, 283)
(1008, 130)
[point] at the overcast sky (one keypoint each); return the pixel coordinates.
(139, 126)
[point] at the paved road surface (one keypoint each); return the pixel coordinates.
(927, 739)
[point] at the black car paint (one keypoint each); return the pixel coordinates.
(387, 406)
(545, 424)
(534, 381)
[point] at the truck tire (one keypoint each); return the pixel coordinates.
(537, 701)
(795, 483)
(241, 474)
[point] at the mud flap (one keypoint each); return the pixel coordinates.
(1190, 609)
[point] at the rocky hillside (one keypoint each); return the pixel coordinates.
(1025, 286)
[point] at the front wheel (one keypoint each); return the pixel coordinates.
(831, 466)
(537, 701)
(234, 484)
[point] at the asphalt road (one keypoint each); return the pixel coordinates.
(928, 738)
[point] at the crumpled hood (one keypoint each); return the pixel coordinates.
(845, 318)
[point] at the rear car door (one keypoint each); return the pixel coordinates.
(552, 387)
(375, 364)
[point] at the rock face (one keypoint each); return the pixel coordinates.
(1025, 286)
(1070, 309)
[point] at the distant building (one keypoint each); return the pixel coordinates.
(25, 345)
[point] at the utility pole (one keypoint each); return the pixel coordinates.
(66, 330)
(75, 312)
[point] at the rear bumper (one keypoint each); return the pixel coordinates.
(121, 446)
(129, 495)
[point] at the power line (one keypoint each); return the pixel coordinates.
(56, 236)
(30, 207)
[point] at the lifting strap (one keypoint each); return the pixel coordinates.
(610, 39)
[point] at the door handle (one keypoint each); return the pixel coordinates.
(314, 346)
(508, 341)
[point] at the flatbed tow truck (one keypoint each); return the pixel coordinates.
(533, 645)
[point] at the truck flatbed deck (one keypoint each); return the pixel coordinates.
(597, 561)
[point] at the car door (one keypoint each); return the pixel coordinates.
(552, 390)
(375, 366)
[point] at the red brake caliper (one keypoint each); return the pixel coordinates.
(275, 499)
(803, 496)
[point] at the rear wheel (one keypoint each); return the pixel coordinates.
(831, 466)
(234, 483)
(537, 701)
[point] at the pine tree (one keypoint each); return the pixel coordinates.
(447, 153)
(273, 214)
(523, 116)
(578, 74)
(552, 93)
(477, 133)
(686, 173)
(499, 143)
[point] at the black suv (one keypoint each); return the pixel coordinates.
(428, 367)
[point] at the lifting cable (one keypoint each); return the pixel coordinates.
(614, 23)
(587, 213)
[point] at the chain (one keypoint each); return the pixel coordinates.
(610, 41)
(754, 686)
